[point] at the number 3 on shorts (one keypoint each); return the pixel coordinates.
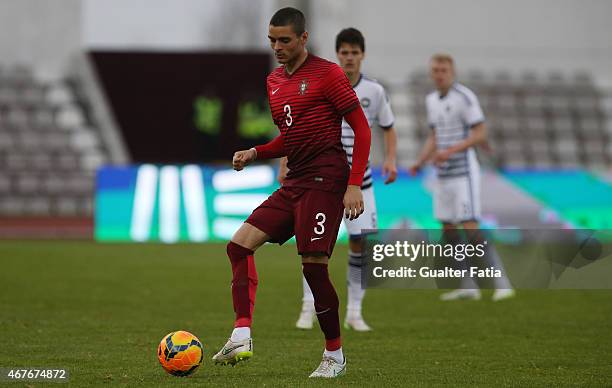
(320, 228)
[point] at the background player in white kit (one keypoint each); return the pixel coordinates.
(350, 50)
(457, 125)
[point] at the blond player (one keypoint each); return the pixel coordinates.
(457, 125)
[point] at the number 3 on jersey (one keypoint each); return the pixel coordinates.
(289, 119)
(320, 228)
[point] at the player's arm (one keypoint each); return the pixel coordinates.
(385, 120)
(340, 93)
(271, 150)
(429, 148)
(478, 135)
(353, 199)
(390, 164)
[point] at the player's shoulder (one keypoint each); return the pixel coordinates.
(276, 72)
(371, 83)
(322, 66)
(317, 61)
(432, 97)
(465, 93)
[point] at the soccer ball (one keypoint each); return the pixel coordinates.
(180, 353)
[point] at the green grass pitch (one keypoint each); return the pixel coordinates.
(100, 311)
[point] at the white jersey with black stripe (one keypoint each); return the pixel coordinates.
(377, 109)
(452, 116)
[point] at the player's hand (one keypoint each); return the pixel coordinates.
(390, 171)
(353, 202)
(414, 169)
(441, 157)
(486, 147)
(243, 158)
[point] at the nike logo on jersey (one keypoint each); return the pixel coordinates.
(274, 91)
(315, 238)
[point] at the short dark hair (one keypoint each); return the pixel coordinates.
(351, 36)
(289, 16)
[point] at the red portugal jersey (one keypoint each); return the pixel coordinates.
(308, 106)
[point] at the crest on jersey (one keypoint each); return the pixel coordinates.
(303, 87)
(365, 102)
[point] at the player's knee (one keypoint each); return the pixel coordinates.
(237, 252)
(447, 226)
(318, 258)
(451, 235)
(475, 236)
(249, 237)
(315, 273)
(470, 225)
(357, 244)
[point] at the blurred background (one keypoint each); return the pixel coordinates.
(118, 119)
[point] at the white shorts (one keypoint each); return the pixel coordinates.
(457, 199)
(368, 219)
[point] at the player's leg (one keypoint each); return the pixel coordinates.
(317, 219)
(271, 221)
(240, 251)
(502, 285)
(471, 198)
(467, 289)
(315, 270)
(307, 313)
(446, 210)
(355, 292)
(358, 230)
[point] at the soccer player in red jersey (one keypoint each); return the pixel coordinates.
(308, 98)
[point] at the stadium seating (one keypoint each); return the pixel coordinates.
(49, 150)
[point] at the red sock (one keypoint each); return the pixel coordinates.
(244, 283)
(326, 302)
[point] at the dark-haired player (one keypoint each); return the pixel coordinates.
(350, 50)
(308, 97)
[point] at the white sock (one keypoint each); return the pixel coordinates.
(240, 334)
(335, 354)
(308, 298)
(353, 279)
